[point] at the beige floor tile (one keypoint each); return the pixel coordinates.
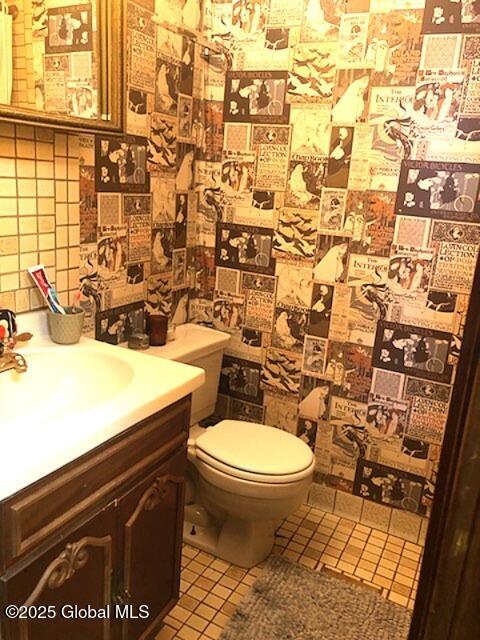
(221, 592)
(213, 575)
(407, 562)
(382, 582)
(187, 633)
(171, 622)
(365, 575)
(332, 551)
(197, 623)
(197, 593)
(301, 539)
(388, 564)
(336, 544)
(294, 546)
(389, 555)
(398, 599)
(188, 603)
(308, 562)
(356, 542)
(346, 567)
(228, 607)
(386, 573)
(195, 566)
(213, 601)
(220, 565)
(242, 588)
(188, 575)
(406, 571)
(381, 535)
(402, 589)
(211, 588)
(165, 633)
(329, 560)
(314, 554)
(229, 583)
(205, 611)
(370, 556)
(204, 583)
(179, 613)
(351, 559)
(367, 566)
(405, 580)
(221, 619)
(213, 631)
(235, 599)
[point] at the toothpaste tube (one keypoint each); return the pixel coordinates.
(47, 290)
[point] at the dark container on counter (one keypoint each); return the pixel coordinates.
(157, 327)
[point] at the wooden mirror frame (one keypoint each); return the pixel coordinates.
(111, 44)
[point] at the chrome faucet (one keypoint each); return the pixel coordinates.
(9, 359)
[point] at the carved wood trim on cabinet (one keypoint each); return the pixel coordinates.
(72, 559)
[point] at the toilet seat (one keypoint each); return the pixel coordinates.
(254, 452)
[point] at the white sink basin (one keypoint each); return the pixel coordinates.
(61, 381)
(74, 398)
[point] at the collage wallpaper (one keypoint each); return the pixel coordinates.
(309, 184)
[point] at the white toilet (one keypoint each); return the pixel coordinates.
(244, 478)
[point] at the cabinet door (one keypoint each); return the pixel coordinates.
(151, 517)
(76, 571)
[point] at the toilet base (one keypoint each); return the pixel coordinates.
(241, 542)
(245, 543)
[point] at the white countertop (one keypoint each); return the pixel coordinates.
(57, 411)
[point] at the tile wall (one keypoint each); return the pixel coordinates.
(39, 212)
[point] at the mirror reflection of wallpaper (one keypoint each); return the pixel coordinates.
(54, 57)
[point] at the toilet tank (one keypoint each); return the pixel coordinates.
(201, 347)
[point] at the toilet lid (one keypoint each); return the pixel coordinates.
(255, 448)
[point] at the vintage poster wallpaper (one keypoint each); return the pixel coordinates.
(309, 185)
(64, 42)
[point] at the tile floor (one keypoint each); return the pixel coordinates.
(211, 588)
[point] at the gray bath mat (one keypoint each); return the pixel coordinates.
(292, 602)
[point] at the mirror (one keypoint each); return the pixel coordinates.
(61, 62)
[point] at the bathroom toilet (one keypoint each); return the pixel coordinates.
(244, 478)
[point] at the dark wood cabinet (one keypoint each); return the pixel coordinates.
(76, 571)
(151, 517)
(102, 536)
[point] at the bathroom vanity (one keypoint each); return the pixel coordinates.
(92, 491)
(105, 529)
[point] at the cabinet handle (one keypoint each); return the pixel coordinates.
(73, 558)
(158, 491)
